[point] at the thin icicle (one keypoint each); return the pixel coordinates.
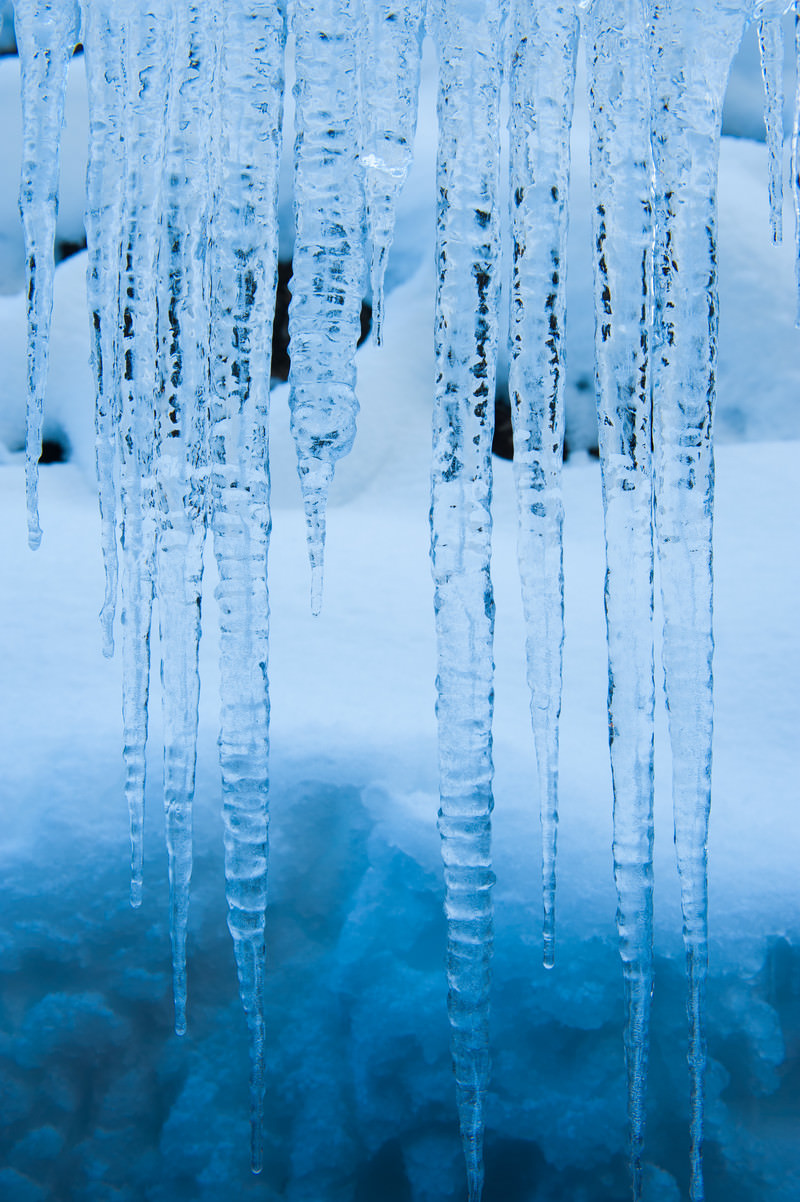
(392, 44)
(623, 237)
(248, 106)
(147, 58)
(46, 32)
(466, 332)
(180, 453)
(328, 263)
(103, 39)
(701, 40)
(795, 154)
(542, 85)
(770, 41)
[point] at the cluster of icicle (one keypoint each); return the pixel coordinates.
(185, 134)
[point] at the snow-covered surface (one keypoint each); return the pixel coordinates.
(99, 1098)
(359, 1078)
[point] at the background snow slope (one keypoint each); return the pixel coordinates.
(101, 1101)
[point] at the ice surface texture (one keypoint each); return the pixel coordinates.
(185, 134)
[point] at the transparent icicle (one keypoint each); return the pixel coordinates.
(46, 31)
(770, 41)
(466, 332)
(147, 60)
(243, 261)
(392, 44)
(623, 236)
(693, 46)
(103, 40)
(542, 82)
(795, 154)
(180, 448)
(328, 263)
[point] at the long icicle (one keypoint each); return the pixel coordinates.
(180, 450)
(542, 81)
(46, 31)
(328, 263)
(248, 105)
(466, 332)
(391, 45)
(701, 40)
(623, 235)
(147, 61)
(770, 41)
(103, 40)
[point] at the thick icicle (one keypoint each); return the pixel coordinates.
(392, 42)
(542, 82)
(103, 40)
(248, 108)
(466, 331)
(328, 263)
(180, 451)
(693, 46)
(46, 31)
(146, 63)
(770, 41)
(623, 236)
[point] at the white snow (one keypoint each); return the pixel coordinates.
(100, 1101)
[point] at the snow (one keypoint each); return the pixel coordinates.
(359, 1081)
(102, 1101)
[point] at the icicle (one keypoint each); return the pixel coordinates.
(46, 31)
(461, 482)
(392, 42)
(770, 41)
(102, 36)
(542, 82)
(328, 264)
(180, 455)
(693, 48)
(795, 153)
(623, 235)
(147, 58)
(243, 254)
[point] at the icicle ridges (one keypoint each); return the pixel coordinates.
(542, 80)
(180, 456)
(623, 238)
(770, 41)
(103, 41)
(46, 31)
(466, 332)
(328, 262)
(391, 44)
(243, 274)
(688, 104)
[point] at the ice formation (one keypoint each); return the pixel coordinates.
(185, 136)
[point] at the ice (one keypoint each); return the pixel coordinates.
(542, 83)
(619, 85)
(328, 263)
(391, 44)
(243, 269)
(182, 223)
(466, 336)
(46, 32)
(770, 40)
